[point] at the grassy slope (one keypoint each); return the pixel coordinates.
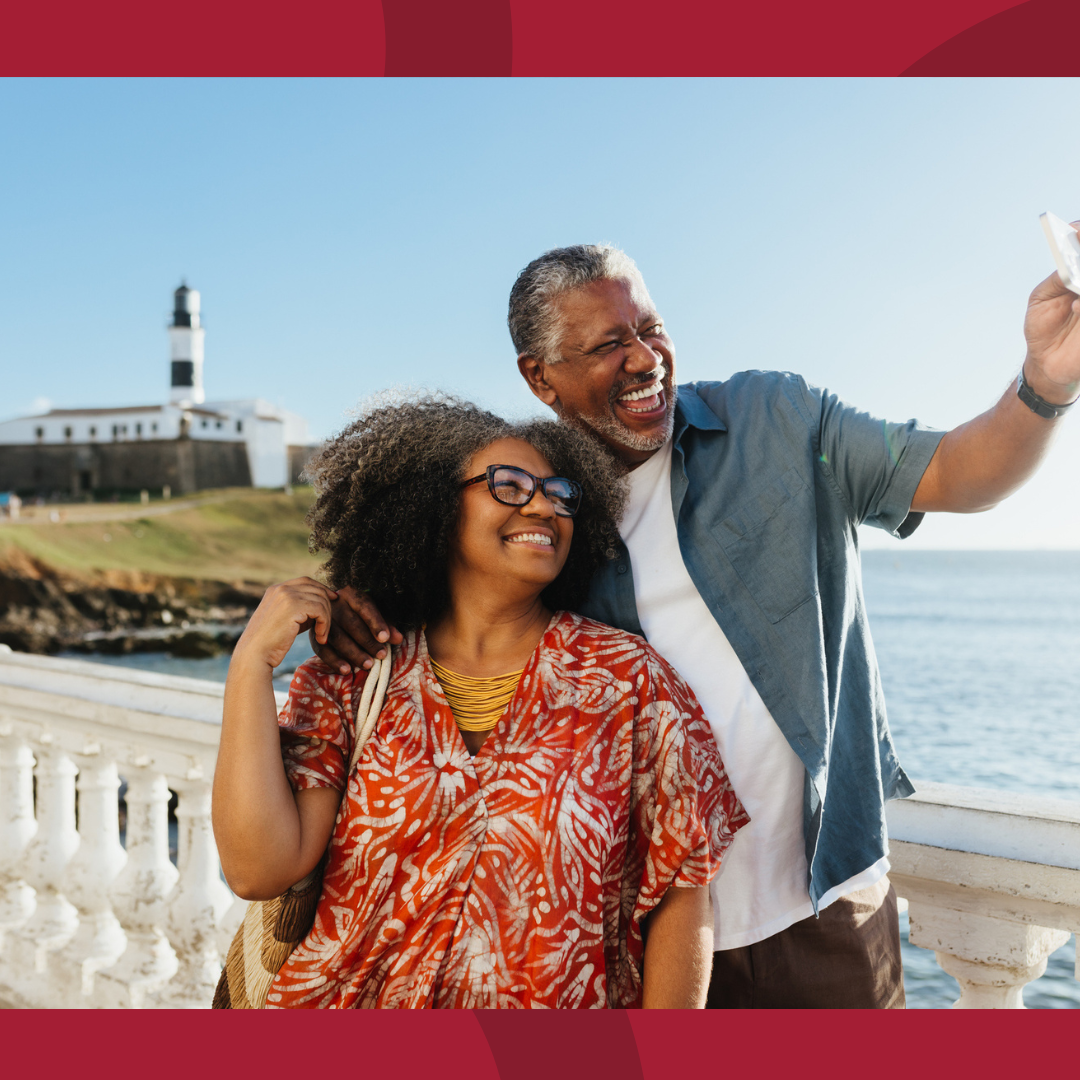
(258, 536)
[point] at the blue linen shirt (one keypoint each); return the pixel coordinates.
(769, 479)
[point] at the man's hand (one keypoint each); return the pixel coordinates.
(357, 633)
(1052, 330)
(979, 463)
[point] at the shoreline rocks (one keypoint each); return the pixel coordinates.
(45, 610)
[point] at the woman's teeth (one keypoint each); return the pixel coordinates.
(530, 538)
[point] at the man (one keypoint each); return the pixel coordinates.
(739, 563)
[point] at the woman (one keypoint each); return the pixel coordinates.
(536, 783)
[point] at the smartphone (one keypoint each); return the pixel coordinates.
(1065, 245)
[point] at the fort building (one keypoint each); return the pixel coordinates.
(185, 444)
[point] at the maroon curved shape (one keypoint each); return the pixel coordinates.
(529, 1046)
(448, 37)
(1036, 38)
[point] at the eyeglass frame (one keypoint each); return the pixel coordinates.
(538, 482)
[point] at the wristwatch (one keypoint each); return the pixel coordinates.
(1036, 404)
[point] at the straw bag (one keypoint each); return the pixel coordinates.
(273, 928)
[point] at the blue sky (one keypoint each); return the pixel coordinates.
(878, 236)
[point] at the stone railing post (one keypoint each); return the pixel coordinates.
(47, 856)
(198, 903)
(17, 829)
(229, 924)
(992, 881)
(138, 895)
(99, 941)
(92, 904)
(992, 959)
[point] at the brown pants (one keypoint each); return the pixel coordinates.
(849, 958)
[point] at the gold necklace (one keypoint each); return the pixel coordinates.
(476, 704)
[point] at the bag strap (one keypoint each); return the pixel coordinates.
(370, 705)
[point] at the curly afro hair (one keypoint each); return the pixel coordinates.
(388, 497)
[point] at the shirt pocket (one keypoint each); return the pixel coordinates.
(770, 541)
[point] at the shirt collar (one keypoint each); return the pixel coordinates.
(691, 411)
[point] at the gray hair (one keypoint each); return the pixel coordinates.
(533, 319)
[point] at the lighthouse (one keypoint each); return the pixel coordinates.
(186, 347)
(187, 444)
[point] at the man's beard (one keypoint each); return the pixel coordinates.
(608, 426)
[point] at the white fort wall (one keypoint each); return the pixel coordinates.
(266, 431)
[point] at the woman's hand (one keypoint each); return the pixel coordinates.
(267, 836)
(285, 611)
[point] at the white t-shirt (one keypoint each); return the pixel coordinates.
(761, 887)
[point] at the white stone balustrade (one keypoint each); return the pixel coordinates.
(992, 879)
(86, 922)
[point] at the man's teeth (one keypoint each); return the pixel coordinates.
(644, 392)
(530, 538)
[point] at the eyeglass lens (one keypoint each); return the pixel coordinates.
(516, 487)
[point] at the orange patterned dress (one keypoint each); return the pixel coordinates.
(519, 877)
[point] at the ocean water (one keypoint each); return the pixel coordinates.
(980, 659)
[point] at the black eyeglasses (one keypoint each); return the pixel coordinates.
(515, 487)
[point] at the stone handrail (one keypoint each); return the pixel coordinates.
(86, 921)
(992, 880)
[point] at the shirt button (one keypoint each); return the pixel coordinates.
(622, 568)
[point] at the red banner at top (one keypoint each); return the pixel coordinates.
(601, 38)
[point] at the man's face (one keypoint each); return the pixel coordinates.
(617, 370)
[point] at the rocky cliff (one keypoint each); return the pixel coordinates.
(44, 609)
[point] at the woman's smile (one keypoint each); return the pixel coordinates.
(533, 541)
(537, 539)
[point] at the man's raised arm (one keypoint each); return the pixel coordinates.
(979, 463)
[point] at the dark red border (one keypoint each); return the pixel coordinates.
(600, 38)
(540, 1046)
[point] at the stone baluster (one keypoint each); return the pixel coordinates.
(99, 941)
(138, 895)
(229, 924)
(198, 903)
(17, 828)
(992, 959)
(47, 856)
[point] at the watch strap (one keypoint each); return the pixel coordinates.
(1046, 409)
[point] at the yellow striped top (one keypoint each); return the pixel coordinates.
(476, 704)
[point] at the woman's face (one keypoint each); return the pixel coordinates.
(518, 545)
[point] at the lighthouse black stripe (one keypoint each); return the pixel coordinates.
(183, 373)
